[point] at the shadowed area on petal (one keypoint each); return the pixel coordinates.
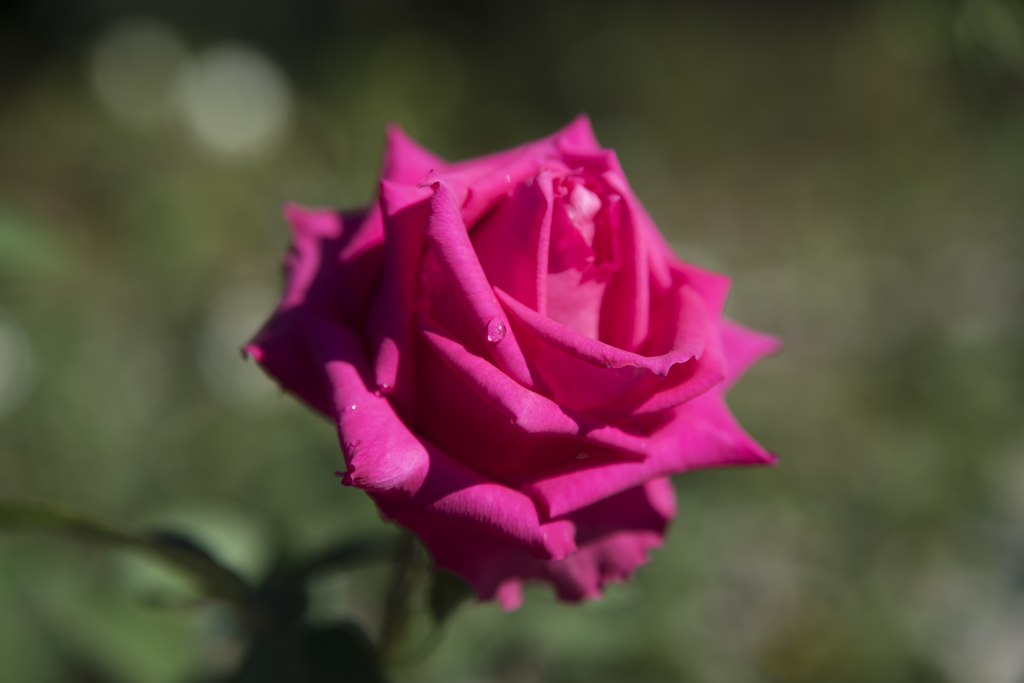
(480, 416)
(330, 252)
(389, 326)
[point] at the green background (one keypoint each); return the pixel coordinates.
(856, 168)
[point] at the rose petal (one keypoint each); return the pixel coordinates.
(483, 180)
(702, 433)
(407, 475)
(451, 246)
(331, 252)
(389, 328)
(405, 161)
(744, 347)
(587, 374)
(620, 532)
(512, 242)
(625, 311)
(513, 432)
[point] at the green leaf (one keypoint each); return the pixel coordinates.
(447, 592)
(216, 580)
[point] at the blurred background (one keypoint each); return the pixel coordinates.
(856, 167)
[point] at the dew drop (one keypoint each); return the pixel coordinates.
(582, 456)
(377, 393)
(495, 330)
(350, 408)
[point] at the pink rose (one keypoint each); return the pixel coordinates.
(515, 359)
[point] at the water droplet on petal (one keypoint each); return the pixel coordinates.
(350, 408)
(582, 456)
(495, 330)
(377, 393)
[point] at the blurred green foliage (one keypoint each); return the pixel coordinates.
(855, 167)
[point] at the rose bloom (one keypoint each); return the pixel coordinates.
(515, 360)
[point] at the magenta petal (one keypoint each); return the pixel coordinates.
(578, 136)
(713, 287)
(620, 531)
(690, 336)
(280, 350)
(625, 313)
(529, 411)
(389, 328)
(330, 250)
(587, 374)
(487, 178)
(702, 433)
(744, 347)
(450, 244)
(408, 475)
(331, 253)
(405, 161)
(512, 242)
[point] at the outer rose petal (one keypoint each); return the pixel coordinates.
(744, 347)
(408, 476)
(331, 252)
(405, 161)
(700, 433)
(619, 532)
